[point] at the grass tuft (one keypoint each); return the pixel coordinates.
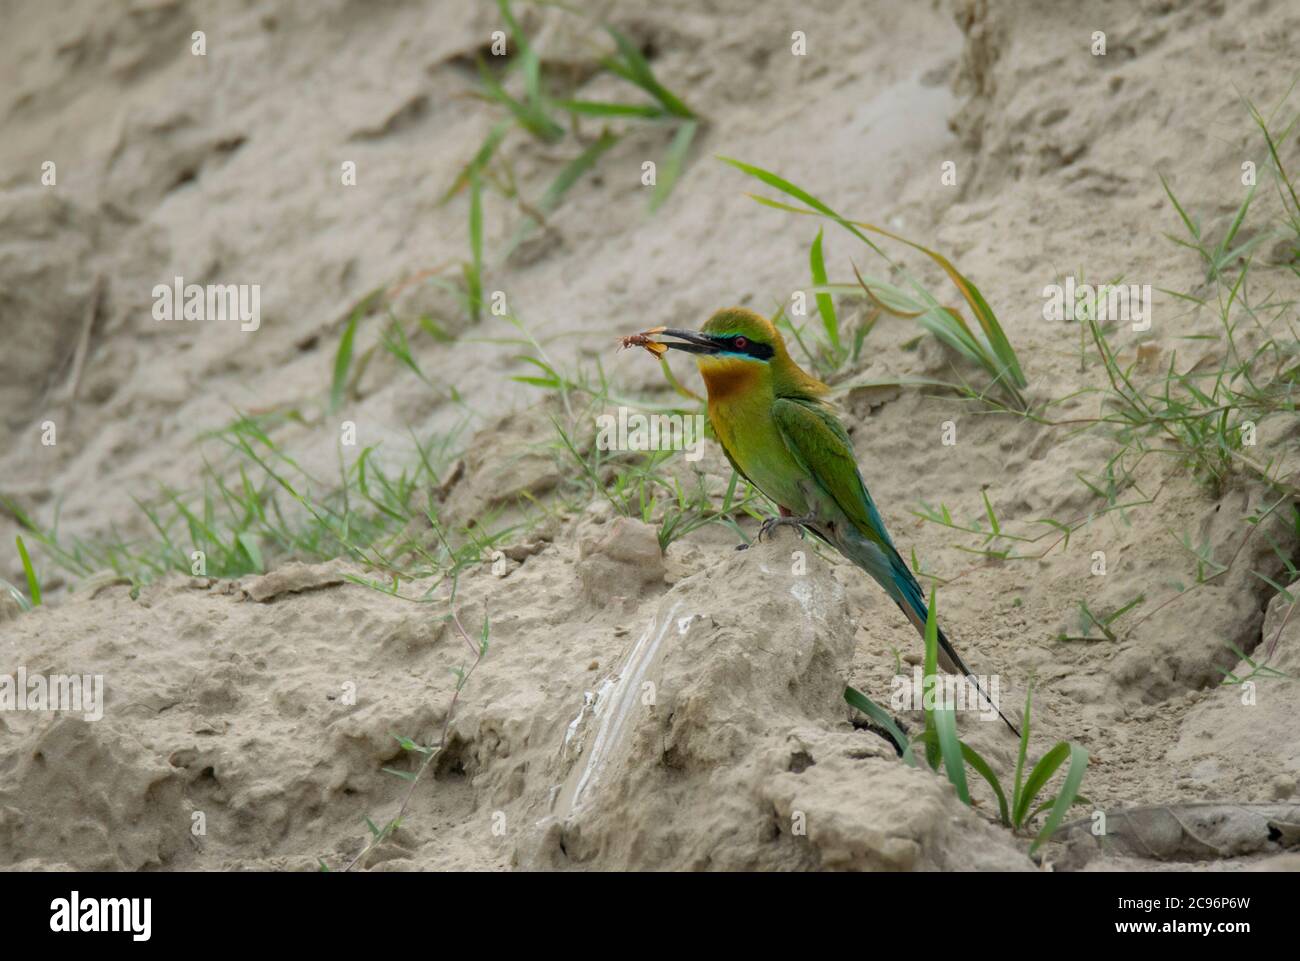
(943, 747)
(989, 347)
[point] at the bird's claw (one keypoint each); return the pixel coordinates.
(785, 520)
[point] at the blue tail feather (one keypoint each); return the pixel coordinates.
(891, 572)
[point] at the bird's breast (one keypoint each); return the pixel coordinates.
(741, 415)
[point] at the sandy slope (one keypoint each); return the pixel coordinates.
(225, 169)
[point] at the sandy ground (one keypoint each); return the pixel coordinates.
(637, 708)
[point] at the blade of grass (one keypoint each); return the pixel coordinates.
(249, 544)
(825, 303)
(1067, 796)
(672, 165)
(941, 719)
(474, 269)
(773, 180)
(596, 108)
(532, 64)
(531, 115)
(478, 161)
(1018, 786)
(19, 597)
(676, 384)
(880, 717)
(574, 169)
(33, 585)
(343, 356)
(1039, 777)
(984, 770)
(1003, 360)
(634, 68)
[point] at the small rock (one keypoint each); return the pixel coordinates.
(1283, 787)
(619, 559)
(293, 578)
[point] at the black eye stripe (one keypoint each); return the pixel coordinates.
(751, 349)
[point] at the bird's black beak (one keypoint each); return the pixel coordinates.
(694, 343)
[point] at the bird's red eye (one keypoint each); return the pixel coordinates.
(741, 343)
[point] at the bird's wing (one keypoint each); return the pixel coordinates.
(822, 447)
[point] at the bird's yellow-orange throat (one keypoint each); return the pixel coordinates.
(738, 396)
(728, 379)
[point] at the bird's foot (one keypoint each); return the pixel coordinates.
(785, 520)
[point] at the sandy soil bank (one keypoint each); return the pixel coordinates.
(639, 706)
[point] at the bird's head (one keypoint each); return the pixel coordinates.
(737, 348)
(735, 334)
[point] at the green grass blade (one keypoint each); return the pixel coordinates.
(1068, 794)
(939, 323)
(342, 361)
(825, 303)
(1038, 778)
(930, 673)
(1080, 799)
(478, 161)
(945, 721)
(532, 65)
(941, 721)
(33, 585)
(676, 384)
(780, 183)
(637, 70)
(249, 543)
(531, 115)
(575, 168)
(888, 298)
(474, 270)
(1018, 787)
(1187, 221)
(673, 162)
(988, 321)
(1003, 359)
(880, 717)
(1272, 151)
(1225, 245)
(19, 597)
(595, 108)
(343, 356)
(984, 770)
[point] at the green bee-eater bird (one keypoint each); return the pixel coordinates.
(779, 434)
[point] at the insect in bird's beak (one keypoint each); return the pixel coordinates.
(645, 339)
(694, 343)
